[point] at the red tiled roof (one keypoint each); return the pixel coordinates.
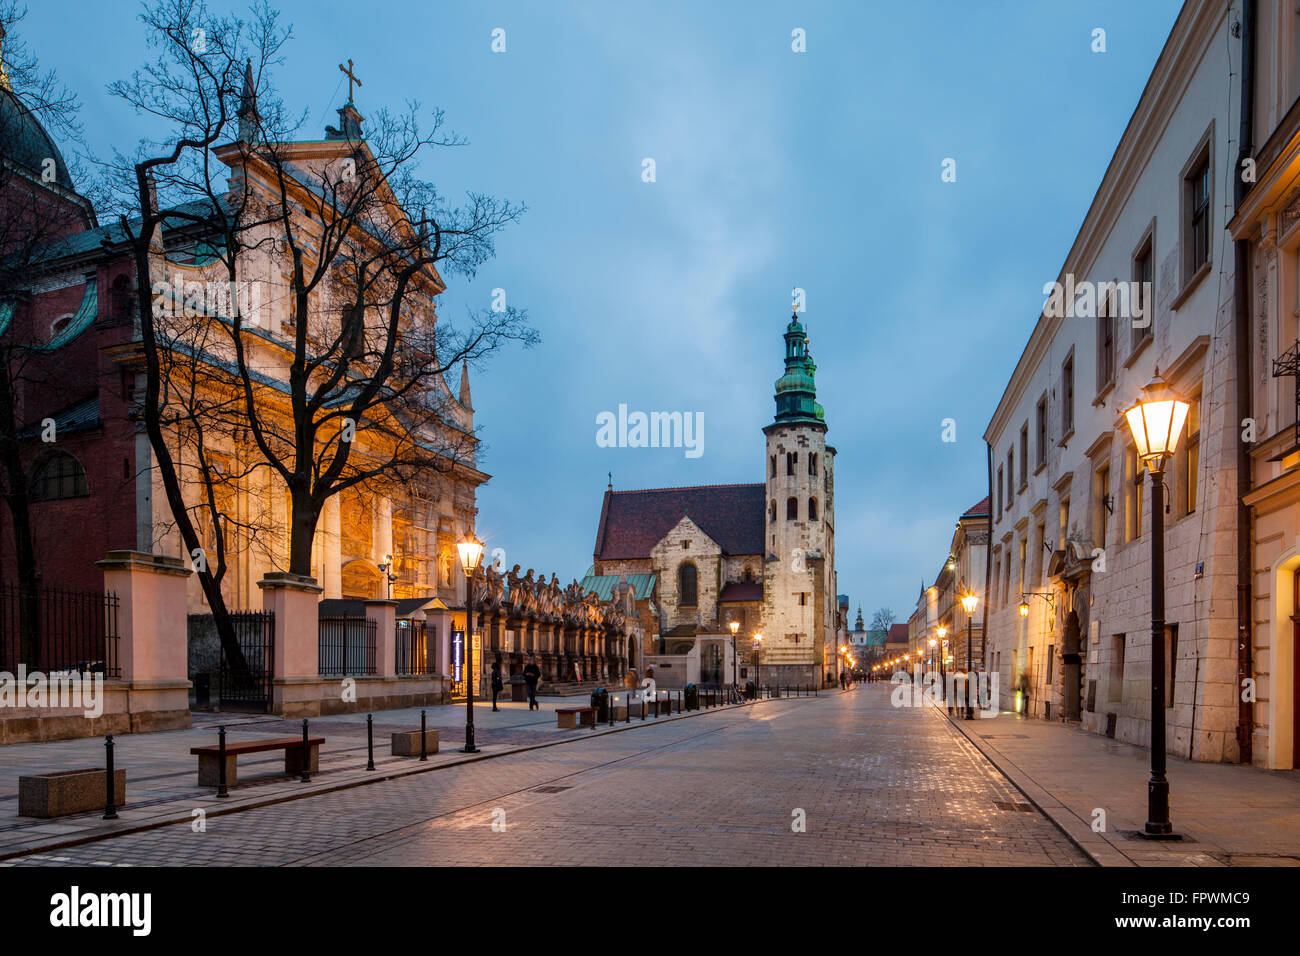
(633, 522)
(979, 510)
(898, 634)
(741, 591)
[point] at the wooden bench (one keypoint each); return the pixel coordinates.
(210, 757)
(569, 718)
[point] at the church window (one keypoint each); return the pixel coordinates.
(59, 476)
(812, 464)
(812, 509)
(791, 459)
(686, 586)
(749, 572)
(792, 509)
(772, 471)
(803, 598)
(772, 509)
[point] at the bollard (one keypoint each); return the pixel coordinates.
(423, 754)
(629, 710)
(110, 806)
(613, 702)
(370, 741)
(643, 707)
(306, 755)
(221, 762)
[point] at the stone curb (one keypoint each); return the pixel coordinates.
(1097, 848)
(220, 808)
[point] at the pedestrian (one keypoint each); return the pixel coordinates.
(497, 683)
(532, 674)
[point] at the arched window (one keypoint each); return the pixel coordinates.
(792, 509)
(686, 586)
(749, 574)
(772, 470)
(59, 324)
(59, 476)
(772, 509)
(812, 464)
(812, 509)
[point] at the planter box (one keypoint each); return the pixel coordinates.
(68, 791)
(406, 743)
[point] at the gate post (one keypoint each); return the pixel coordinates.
(294, 599)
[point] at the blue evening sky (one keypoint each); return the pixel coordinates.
(774, 170)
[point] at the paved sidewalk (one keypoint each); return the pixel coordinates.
(162, 775)
(1230, 815)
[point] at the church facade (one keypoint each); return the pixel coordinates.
(761, 554)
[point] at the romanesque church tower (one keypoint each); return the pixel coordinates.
(799, 586)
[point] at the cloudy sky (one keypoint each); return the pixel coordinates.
(774, 170)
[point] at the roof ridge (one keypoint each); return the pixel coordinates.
(639, 491)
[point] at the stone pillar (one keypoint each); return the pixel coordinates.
(293, 599)
(151, 615)
(384, 614)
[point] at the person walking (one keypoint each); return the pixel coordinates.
(497, 683)
(532, 674)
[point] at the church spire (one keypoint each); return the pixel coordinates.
(464, 387)
(796, 390)
(248, 116)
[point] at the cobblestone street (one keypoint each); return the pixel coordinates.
(874, 785)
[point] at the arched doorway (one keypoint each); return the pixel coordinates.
(632, 662)
(1071, 668)
(361, 581)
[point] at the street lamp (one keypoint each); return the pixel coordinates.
(471, 553)
(969, 603)
(735, 626)
(758, 673)
(386, 569)
(1156, 421)
(942, 631)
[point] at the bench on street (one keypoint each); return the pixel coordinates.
(569, 718)
(210, 757)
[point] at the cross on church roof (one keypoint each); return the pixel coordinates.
(352, 78)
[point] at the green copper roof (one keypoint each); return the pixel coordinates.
(796, 390)
(604, 584)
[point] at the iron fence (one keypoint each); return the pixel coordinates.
(346, 647)
(58, 629)
(249, 685)
(416, 648)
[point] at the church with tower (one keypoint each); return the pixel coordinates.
(761, 555)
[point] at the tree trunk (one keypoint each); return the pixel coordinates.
(17, 497)
(302, 531)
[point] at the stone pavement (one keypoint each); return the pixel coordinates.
(869, 784)
(162, 779)
(1231, 815)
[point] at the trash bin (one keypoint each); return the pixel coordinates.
(518, 692)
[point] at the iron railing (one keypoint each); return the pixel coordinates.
(58, 629)
(417, 652)
(346, 647)
(250, 686)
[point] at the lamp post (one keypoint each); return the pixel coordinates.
(942, 631)
(471, 553)
(969, 603)
(1156, 422)
(386, 569)
(758, 673)
(735, 626)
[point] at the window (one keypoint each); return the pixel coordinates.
(1101, 505)
(1144, 293)
(812, 509)
(771, 511)
(1051, 664)
(1196, 190)
(791, 459)
(1117, 667)
(1040, 426)
(1063, 522)
(1132, 495)
(1189, 459)
(1105, 342)
(1024, 554)
(803, 601)
(687, 590)
(1024, 454)
(1067, 395)
(59, 324)
(1011, 476)
(59, 476)
(792, 509)
(812, 464)
(772, 472)
(1171, 662)
(999, 492)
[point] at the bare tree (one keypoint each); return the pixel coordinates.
(883, 620)
(345, 386)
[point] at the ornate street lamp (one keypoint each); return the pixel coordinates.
(1156, 421)
(942, 631)
(471, 553)
(969, 603)
(758, 674)
(386, 569)
(735, 626)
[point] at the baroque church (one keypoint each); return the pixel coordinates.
(761, 555)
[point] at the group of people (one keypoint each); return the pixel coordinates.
(532, 677)
(850, 677)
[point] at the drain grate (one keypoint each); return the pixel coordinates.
(1006, 805)
(550, 789)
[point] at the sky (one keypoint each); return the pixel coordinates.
(774, 170)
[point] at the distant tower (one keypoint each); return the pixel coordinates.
(799, 591)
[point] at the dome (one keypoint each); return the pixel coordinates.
(26, 143)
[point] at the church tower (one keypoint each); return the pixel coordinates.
(799, 586)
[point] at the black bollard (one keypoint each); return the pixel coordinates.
(306, 755)
(656, 703)
(110, 805)
(629, 709)
(221, 762)
(612, 702)
(370, 741)
(643, 707)
(423, 747)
